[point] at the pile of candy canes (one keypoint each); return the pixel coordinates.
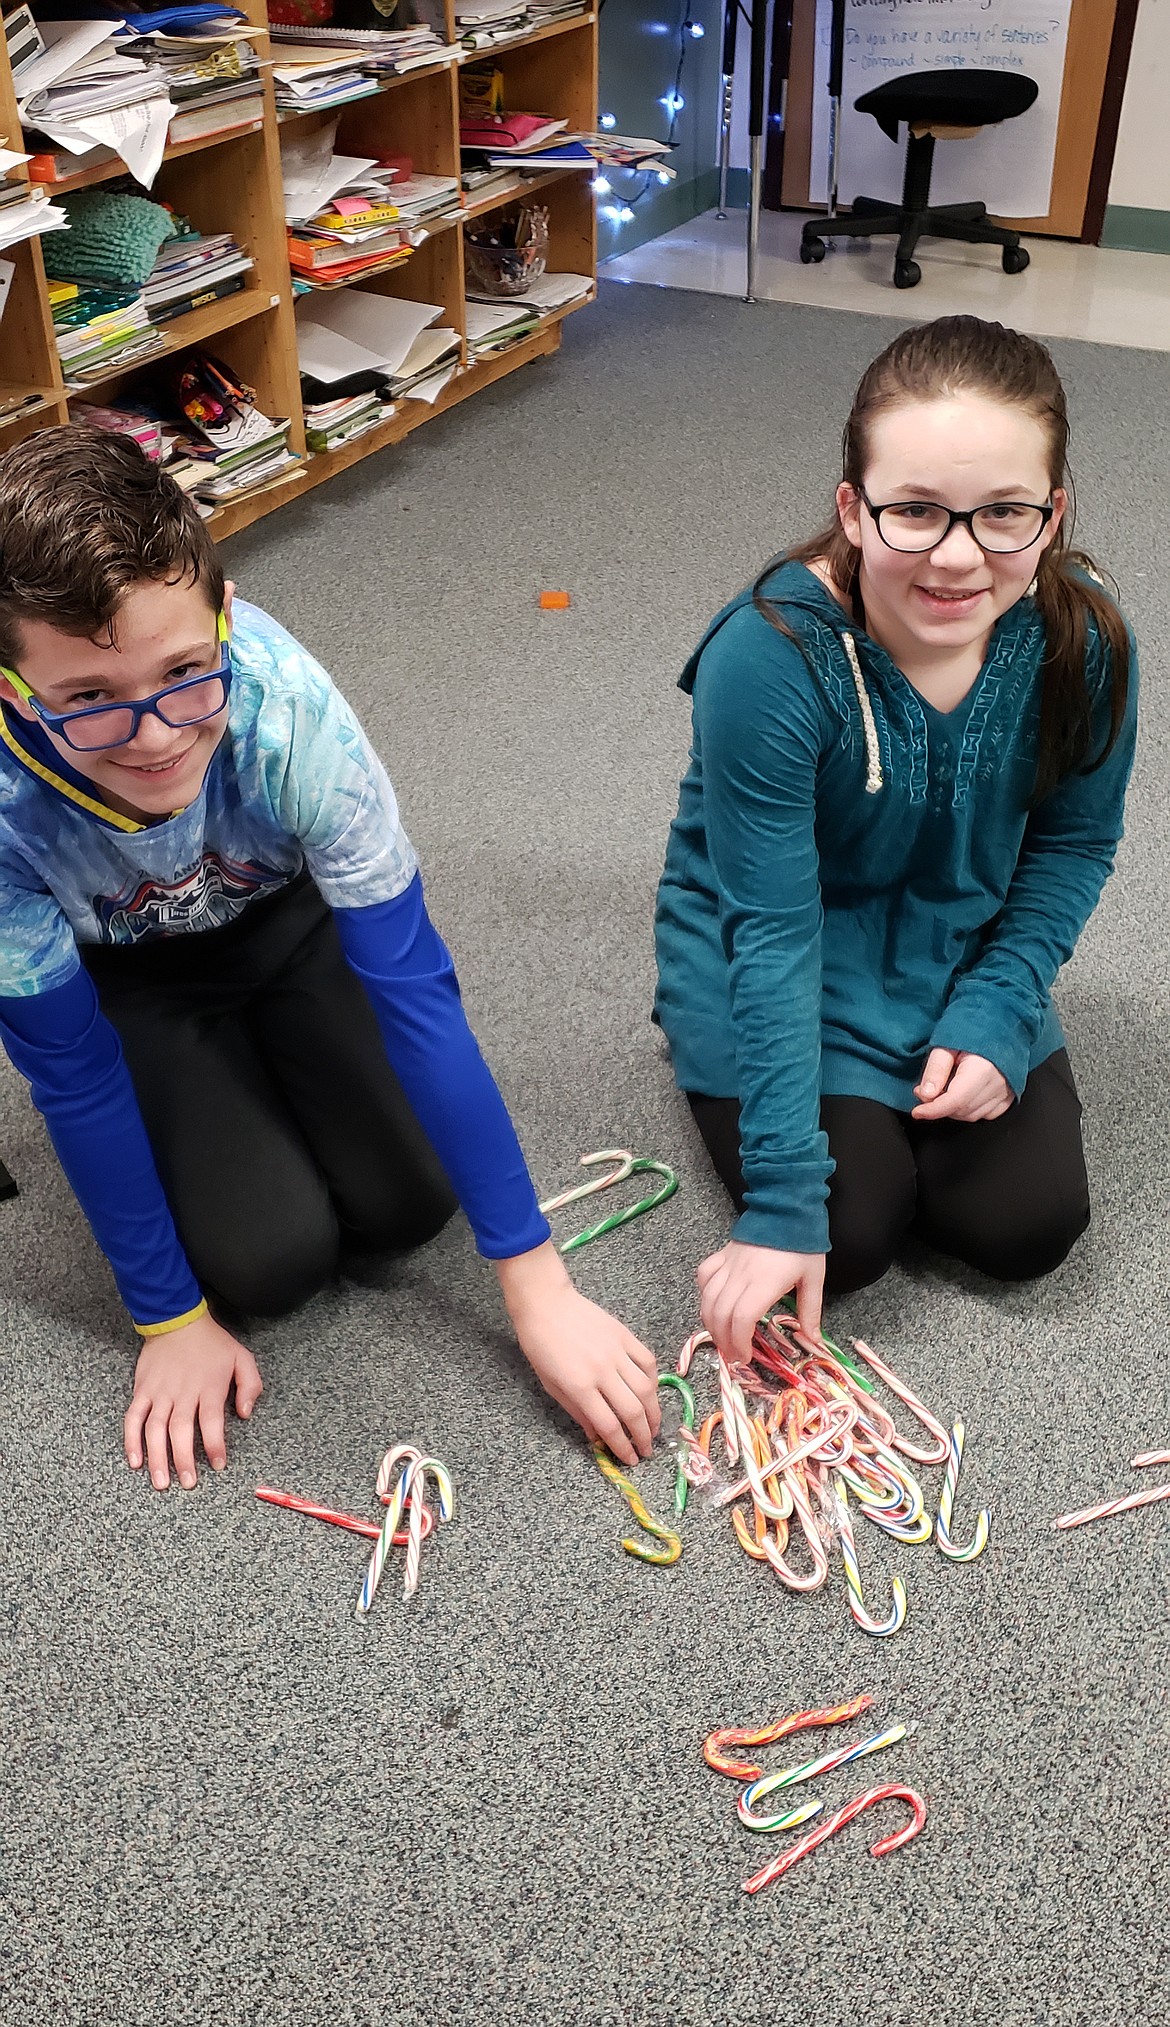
(805, 1438)
(408, 1520)
(761, 1784)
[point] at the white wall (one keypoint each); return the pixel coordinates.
(1141, 166)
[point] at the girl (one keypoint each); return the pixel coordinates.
(912, 739)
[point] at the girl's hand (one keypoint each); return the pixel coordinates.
(961, 1087)
(594, 1367)
(741, 1283)
(182, 1378)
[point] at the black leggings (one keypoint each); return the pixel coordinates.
(281, 1133)
(1009, 1195)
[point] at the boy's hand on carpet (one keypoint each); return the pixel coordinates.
(182, 1378)
(962, 1087)
(595, 1368)
(740, 1283)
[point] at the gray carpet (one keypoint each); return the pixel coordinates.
(224, 1799)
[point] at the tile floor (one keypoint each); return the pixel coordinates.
(1069, 291)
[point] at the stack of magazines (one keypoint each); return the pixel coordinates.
(100, 331)
(194, 269)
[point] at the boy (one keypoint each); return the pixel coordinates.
(217, 970)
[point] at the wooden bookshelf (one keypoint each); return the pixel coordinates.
(231, 181)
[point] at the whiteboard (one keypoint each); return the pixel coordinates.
(1008, 167)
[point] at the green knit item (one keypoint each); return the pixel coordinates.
(112, 238)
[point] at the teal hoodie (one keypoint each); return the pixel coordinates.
(855, 877)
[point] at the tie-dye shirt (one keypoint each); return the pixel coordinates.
(293, 782)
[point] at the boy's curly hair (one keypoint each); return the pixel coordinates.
(85, 514)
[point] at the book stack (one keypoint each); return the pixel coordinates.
(101, 330)
(329, 254)
(422, 198)
(203, 71)
(146, 430)
(332, 422)
(311, 79)
(350, 216)
(543, 297)
(194, 269)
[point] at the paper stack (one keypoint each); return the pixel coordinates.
(492, 327)
(379, 52)
(543, 297)
(309, 78)
(83, 92)
(24, 209)
(361, 345)
(480, 24)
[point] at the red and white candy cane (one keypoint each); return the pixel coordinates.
(940, 1449)
(777, 1867)
(695, 1342)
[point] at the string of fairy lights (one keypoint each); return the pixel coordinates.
(620, 207)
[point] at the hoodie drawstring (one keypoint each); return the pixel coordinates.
(874, 779)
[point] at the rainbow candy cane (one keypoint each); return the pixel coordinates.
(792, 1777)
(424, 1468)
(880, 1628)
(401, 1458)
(768, 1734)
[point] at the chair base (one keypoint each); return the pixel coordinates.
(871, 217)
(912, 219)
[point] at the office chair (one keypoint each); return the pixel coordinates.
(935, 104)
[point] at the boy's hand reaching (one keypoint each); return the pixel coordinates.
(597, 1370)
(182, 1378)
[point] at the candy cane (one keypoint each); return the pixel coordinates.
(777, 1867)
(769, 1734)
(792, 1777)
(880, 1628)
(696, 1342)
(940, 1450)
(424, 1468)
(1111, 1506)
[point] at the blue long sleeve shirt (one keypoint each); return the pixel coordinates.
(294, 782)
(814, 937)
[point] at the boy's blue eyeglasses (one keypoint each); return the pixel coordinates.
(101, 726)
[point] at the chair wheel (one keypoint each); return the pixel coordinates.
(907, 274)
(1015, 259)
(812, 250)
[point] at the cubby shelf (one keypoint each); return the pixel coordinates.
(231, 181)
